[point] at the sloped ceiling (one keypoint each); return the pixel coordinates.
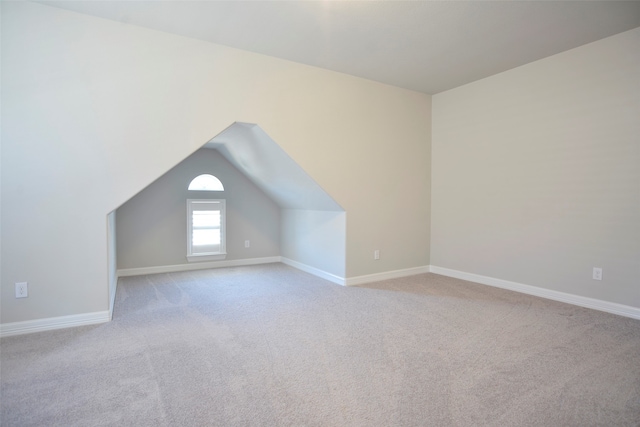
(260, 158)
(427, 46)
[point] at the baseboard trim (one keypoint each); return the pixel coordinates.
(386, 275)
(125, 272)
(315, 271)
(596, 304)
(51, 323)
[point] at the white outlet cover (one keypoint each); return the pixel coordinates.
(597, 273)
(22, 290)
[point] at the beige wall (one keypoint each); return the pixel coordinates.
(536, 173)
(93, 111)
(152, 226)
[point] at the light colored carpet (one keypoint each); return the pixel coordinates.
(273, 346)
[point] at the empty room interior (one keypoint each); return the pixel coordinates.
(320, 213)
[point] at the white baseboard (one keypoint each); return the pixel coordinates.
(196, 266)
(386, 275)
(51, 323)
(596, 304)
(47, 324)
(315, 271)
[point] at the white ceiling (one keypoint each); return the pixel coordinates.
(428, 46)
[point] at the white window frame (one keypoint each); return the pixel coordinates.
(206, 256)
(205, 182)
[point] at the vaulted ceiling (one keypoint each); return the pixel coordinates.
(247, 147)
(427, 46)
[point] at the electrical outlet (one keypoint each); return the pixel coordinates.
(22, 290)
(376, 254)
(597, 273)
(247, 244)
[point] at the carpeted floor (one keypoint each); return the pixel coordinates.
(273, 346)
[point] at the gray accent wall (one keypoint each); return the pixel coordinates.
(315, 239)
(152, 227)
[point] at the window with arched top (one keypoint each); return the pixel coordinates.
(206, 222)
(206, 182)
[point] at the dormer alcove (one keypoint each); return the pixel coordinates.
(275, 211)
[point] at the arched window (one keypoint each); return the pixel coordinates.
(206, 182)
(206, 222)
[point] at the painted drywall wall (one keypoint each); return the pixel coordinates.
(536, 177)
(1, 286)
(313, 225)
(112, 259)
(118, 106)
(152, 226)
(315, 239)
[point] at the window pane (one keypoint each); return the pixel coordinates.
(206, 183)
(206, 219)
(205, 237)
(206, 227)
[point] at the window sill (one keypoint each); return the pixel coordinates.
(206, 257)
